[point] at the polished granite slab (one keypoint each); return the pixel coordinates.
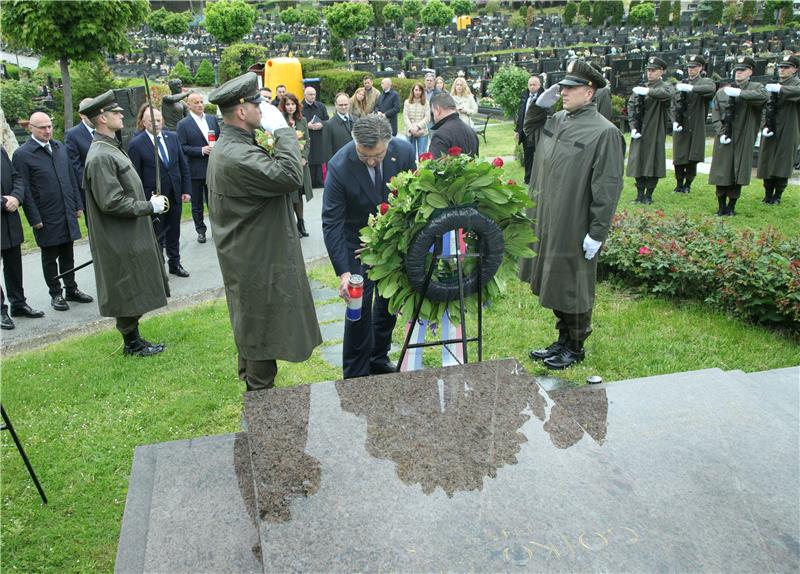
(479, 468)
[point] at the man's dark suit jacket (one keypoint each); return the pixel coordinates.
(192, 141)
(350, 197)
(175, 179)
(389, 104)
(11, 229)
(336, 134)
(78, 139)
(523, 104)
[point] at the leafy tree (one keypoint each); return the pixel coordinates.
(290, 16)
(599, 10)
(18, 98)
(90, 79)
(585, 9)
(169, 23)
(676, 13)
(347, 19)
(378, 7)
(516, 21)
(156, 20)
(181, 72)
(337, 51)
(642, 15)
(393, 13)
(409, 25)
(412, 8)
(461, 7)
(72, 31)
(778, 11)
(730, 13)
(615, 10)
(283, 38)
(436, 15)
(570, 11)
(493, 7)
(237, 58)
(506, 86)
(664, 9)
(748, 11)
(710, 11)
(205, 74)
(229, 20)
(310, 18)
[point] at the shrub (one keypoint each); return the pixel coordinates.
(205, 74)
(506, 86)
(18, 98)
(311, 65)
(237, 58)
(181, 72)
(90, 79)
(333, 81)
(754, 275)
(210, 108)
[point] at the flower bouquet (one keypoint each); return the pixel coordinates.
(447, 182)
(266, 140)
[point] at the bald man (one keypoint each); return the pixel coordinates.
(78, 139)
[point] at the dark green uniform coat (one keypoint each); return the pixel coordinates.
(777, 152)
(648, 156)
(576, 182)
(128, 267)
(249, 204)
(602, 99)
(732, 163)
(689, 145)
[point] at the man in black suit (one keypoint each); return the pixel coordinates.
(449, 131)
(316, 114)
(355, 186)
(52, 205)
(11, 237)
(337, 132)
(525, 102)
(78, 139)
(175, 186)
(280, 91)
(388, 105)
(195, 135)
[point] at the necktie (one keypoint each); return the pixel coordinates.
(162, 152)
(347, 123)
(48, 148)
(531, 99)
(379, 181)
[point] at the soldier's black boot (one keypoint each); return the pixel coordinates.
(135, 345)
(769, 190)
(648, 196)
(551, 350)
(776, 198)
(731, 207)
(687, 185)
(639, 195)
(679, 183)
(571, 353)
(722, 207)
(301, 228)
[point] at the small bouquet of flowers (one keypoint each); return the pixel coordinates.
(266, 140)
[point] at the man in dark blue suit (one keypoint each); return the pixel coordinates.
(194, 134)
(525, 102)
(388, 104)
(355, 186)
(52, 205)
(175, 186)
(78, 139)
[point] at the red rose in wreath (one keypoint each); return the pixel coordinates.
(455, 150)
(498, 162)
(425, 156)
(383, 208)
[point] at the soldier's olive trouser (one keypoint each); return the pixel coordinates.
(643, 183)
(577, 326)
(686, 171)
(732, 191)
(127, 325)
(258, 375)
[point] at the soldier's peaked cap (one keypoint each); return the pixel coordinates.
(105, 102)
(695, 60)
(653, 63)
(744, 62)
(579, 73)
(790, 61)
(239, 90)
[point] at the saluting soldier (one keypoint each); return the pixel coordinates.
(648, 107)
(780, 135)
(689, 122)
(128, 268)
(602, 98)
(576, 183)
(737, 118)
(258, 246)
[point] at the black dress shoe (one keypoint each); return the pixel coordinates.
(551, 351)
(383, 368)
(59, 303)
(568, 356)
(178, 270)
(201, 237)
(7, 322)
(79, 296)
(26, 311)
(141, 348)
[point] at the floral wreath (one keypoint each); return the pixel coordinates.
(449, 181)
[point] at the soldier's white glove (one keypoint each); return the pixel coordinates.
(732, 92)
(724, 140)
(590, 247)
(774, 88)
(676, 127)
(641, 90)
(549, 97)
(635, 134)
(272, 119)
(159, 203)
(766, 133)
(681, 87)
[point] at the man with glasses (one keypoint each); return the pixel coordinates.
(337, 132)
(52, 206)
(356, 185)
(128, 269)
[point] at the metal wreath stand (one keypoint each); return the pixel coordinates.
(6, 425)
(489, 254)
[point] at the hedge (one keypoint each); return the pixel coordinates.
(754, 275)
(333, 81)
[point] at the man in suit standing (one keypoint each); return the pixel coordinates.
(525, 102)
(388, 105)
(194, 134)
(52, 205)
(78, 139)
(356, 185)
(175, 186)
(11, 237)
(337, 132)
(316, 114)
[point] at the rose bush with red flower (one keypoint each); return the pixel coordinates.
(439, 183)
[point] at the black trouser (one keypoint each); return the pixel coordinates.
(258, 375)
(685, 172)
(57, 259)
(576, 326)
(369, 339)
(732, 191)
(774, 186)
(528, 159)
(316, 174)
(199, 197)
(643, 183)
(127, 325)
(167, 227)
(12, 272)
